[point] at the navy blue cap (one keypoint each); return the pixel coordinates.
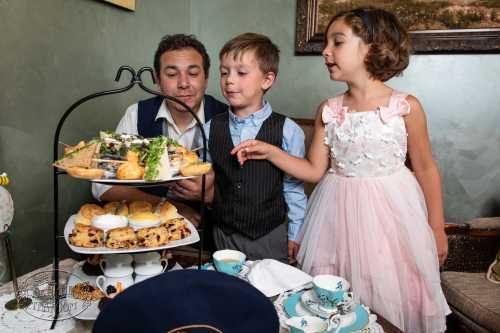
(190, 301)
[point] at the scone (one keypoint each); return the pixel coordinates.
(177, 229)
(87, 212)
(86, 236)
(152, 237)
(139, 206)
(120, 238)
(116, 208)
(167, 211)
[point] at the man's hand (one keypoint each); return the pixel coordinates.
(293, 249)
(190, 189)
(441, 244)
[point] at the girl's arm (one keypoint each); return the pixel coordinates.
(426, 172)
(309, 170)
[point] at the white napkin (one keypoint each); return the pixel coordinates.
(272, 277)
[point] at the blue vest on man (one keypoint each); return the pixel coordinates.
(148, 126)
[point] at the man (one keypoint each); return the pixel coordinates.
(181, 66)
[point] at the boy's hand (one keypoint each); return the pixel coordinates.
(252, 150)
(293, 249)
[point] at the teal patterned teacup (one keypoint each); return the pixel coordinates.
(229, 261)
(330, 289)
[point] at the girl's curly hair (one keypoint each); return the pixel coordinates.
(390, 48)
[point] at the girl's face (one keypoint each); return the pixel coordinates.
(344, 53)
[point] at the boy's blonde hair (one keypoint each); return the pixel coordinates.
(266, 52)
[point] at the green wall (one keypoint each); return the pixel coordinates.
(57, 51)
(54, 53)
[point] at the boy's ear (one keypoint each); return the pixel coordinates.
(268, 81)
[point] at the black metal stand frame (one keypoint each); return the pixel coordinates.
(136, 79)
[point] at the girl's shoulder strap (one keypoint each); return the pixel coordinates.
(398, 106)
(332, 109)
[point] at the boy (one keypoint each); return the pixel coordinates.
(251, 203)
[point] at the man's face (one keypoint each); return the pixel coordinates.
(182, 76)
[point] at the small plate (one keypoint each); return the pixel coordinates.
(293, 307)
(242, 274)
(310, 301)
(91, 312)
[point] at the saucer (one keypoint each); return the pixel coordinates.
(310, 301)
(242, 274)
(293, 307)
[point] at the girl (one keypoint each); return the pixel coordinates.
(370, 219)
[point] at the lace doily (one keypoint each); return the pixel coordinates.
(20, 321)
(373, 326)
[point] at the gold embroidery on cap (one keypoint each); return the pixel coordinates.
(187, 328)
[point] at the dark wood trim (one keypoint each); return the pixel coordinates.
(309, 41)
(304, 121)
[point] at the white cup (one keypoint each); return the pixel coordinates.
(119, 283)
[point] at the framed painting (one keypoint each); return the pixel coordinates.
(127, 4)
(441, 26)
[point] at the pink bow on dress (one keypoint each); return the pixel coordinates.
(333, 112)
(400, 107)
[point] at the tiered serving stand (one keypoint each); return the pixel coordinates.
(135, 80)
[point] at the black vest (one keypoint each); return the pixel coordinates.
(149, 127)
(248, 200)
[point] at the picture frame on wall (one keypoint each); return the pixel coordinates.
(127, 4)
(448, 26)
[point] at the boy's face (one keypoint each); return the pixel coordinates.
(242, 81)
(182, 76)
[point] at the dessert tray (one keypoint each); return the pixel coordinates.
(70, 224)
(137, 182)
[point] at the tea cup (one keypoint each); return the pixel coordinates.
(330, 289)
(228, 261)
(111, 285)
(307, 324)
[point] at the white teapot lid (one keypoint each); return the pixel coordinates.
(148, 268)
(146, 257)
(118, 271)
(117, 259)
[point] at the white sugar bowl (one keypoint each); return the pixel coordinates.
(108, 221)
(148, 265)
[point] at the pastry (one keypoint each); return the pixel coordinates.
(144, 219)
(119, 238)
(152, 237)
(86, 236)
(85, 173)
(85, 291)
(140, 206)
(167, 211)
(195, 169)
(116, 208)
(87, 212)
(189, 157)
(177, 229)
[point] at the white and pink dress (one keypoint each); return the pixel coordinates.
(367, 220)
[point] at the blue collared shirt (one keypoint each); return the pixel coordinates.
(242, 129)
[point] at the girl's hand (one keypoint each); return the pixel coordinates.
(253, 150)
(441, 244)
